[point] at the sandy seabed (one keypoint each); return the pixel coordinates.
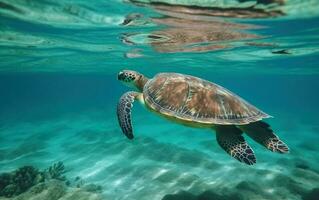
(164, 161)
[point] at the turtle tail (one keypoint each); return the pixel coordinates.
(262, 133)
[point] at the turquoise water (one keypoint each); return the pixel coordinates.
(59, 90)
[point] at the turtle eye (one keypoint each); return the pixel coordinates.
(121, 76)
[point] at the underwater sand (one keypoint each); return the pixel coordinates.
(161, 161)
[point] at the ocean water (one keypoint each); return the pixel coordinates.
(59, 62)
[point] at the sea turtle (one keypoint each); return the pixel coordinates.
(199, 103)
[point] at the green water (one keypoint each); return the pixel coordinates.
(59, 91)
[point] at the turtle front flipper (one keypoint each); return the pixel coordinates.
(230, 138)
(262, 133)
(124, 108)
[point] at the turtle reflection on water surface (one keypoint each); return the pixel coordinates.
(188, 35)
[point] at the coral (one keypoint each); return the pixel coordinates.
(5, 179)
(25, 177)
(56, 190)
(78, 182)
(19, 181)
(56, 171)
(29, 183)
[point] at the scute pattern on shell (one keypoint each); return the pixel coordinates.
(194, 99)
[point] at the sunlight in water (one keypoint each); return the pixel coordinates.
(60, 89)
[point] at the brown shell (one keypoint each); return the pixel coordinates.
(196, 100)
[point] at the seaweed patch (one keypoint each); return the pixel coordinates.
(28, 182)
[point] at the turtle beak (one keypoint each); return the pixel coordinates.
(120, 76)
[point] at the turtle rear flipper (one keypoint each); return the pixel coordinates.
(262, 133)
(124, 108)
(230, 138)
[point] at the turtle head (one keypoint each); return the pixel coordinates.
(132, 79)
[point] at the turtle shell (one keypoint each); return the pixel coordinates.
(196, 100)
